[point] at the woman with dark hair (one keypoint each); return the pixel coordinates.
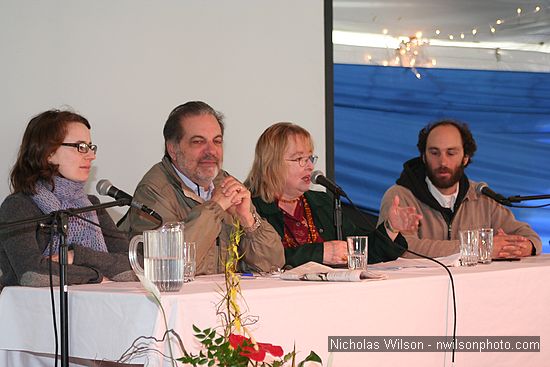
(280, 185)
(52, 167)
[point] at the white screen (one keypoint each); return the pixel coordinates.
(125, 64)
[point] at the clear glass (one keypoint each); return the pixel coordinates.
(358, 252)
(469, 247)
(485, 245)
(189, 261)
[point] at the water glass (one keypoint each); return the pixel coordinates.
(469, 247)
(485, 245)
(189, 261)
(357, 252)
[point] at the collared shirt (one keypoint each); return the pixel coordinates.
(446, 201)
(199, 191)
(299, 227)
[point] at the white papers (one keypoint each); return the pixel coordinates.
(403, 263)
(318, 272)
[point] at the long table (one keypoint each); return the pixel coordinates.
(499, 299)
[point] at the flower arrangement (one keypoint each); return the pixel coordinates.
(235, 346)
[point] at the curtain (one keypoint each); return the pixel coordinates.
(378, 112)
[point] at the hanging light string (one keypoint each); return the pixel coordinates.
(521, 13)
(411, 50)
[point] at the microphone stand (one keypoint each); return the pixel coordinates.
(518, 198)
(338, 216)
(60, 221)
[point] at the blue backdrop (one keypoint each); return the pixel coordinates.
(378, 112)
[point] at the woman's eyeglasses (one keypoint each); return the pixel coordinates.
(302, 161)
(82, 147)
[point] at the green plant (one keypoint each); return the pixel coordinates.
(235, 347)
(238, 351)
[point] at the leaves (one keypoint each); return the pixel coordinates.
(312, 357)
(237, 351)
(232, 349)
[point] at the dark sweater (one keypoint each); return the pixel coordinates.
(321, 204)
(21, 249)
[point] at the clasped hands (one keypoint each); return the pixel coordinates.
(234, 198)
(507, 245)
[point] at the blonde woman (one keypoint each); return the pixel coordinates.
(280, 185)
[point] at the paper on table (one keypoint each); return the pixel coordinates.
(401, 263)
(318, 272)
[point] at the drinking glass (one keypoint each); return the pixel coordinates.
(357, 252)
(485, 245)
(469, 248)
(189, 261)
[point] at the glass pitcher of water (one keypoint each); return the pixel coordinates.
(163, 253)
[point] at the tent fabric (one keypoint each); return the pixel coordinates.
(378, 112)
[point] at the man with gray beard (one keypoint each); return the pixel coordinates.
(436, 185)
(189, 185)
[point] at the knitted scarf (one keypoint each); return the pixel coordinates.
(70, 194)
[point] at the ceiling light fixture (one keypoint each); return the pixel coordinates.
(411, 53)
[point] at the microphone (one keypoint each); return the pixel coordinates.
(105, 187)
(318, 178)
(483, 189)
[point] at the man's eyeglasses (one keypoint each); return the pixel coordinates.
(82, 147)
(302, 161)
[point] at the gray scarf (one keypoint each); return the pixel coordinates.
(70, 194)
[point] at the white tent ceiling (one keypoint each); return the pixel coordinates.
(520, 42)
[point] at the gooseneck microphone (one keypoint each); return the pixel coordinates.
(318, 178)
(105, 187)
(483, 189)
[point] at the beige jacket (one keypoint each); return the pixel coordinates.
(475, 212)
(162, 190)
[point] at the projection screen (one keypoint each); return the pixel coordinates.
(125, 64)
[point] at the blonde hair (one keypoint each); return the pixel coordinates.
(267, 176)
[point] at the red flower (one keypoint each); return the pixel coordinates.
(248, 350)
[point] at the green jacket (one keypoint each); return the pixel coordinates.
(322, 209)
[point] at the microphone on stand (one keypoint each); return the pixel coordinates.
(105, 187)
(318, 178)
(483, 189)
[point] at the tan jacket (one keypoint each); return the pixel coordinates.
(475, 212)
(161, 189)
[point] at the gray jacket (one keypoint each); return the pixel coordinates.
(432, 238)
(21, 249)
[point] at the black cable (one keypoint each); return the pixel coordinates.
(386, 239)
(528, 206)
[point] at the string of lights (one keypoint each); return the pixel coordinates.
(411, 51)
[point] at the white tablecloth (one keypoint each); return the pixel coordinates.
(505, 298)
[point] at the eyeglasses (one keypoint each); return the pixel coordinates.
(82, 147)
(302, 161)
